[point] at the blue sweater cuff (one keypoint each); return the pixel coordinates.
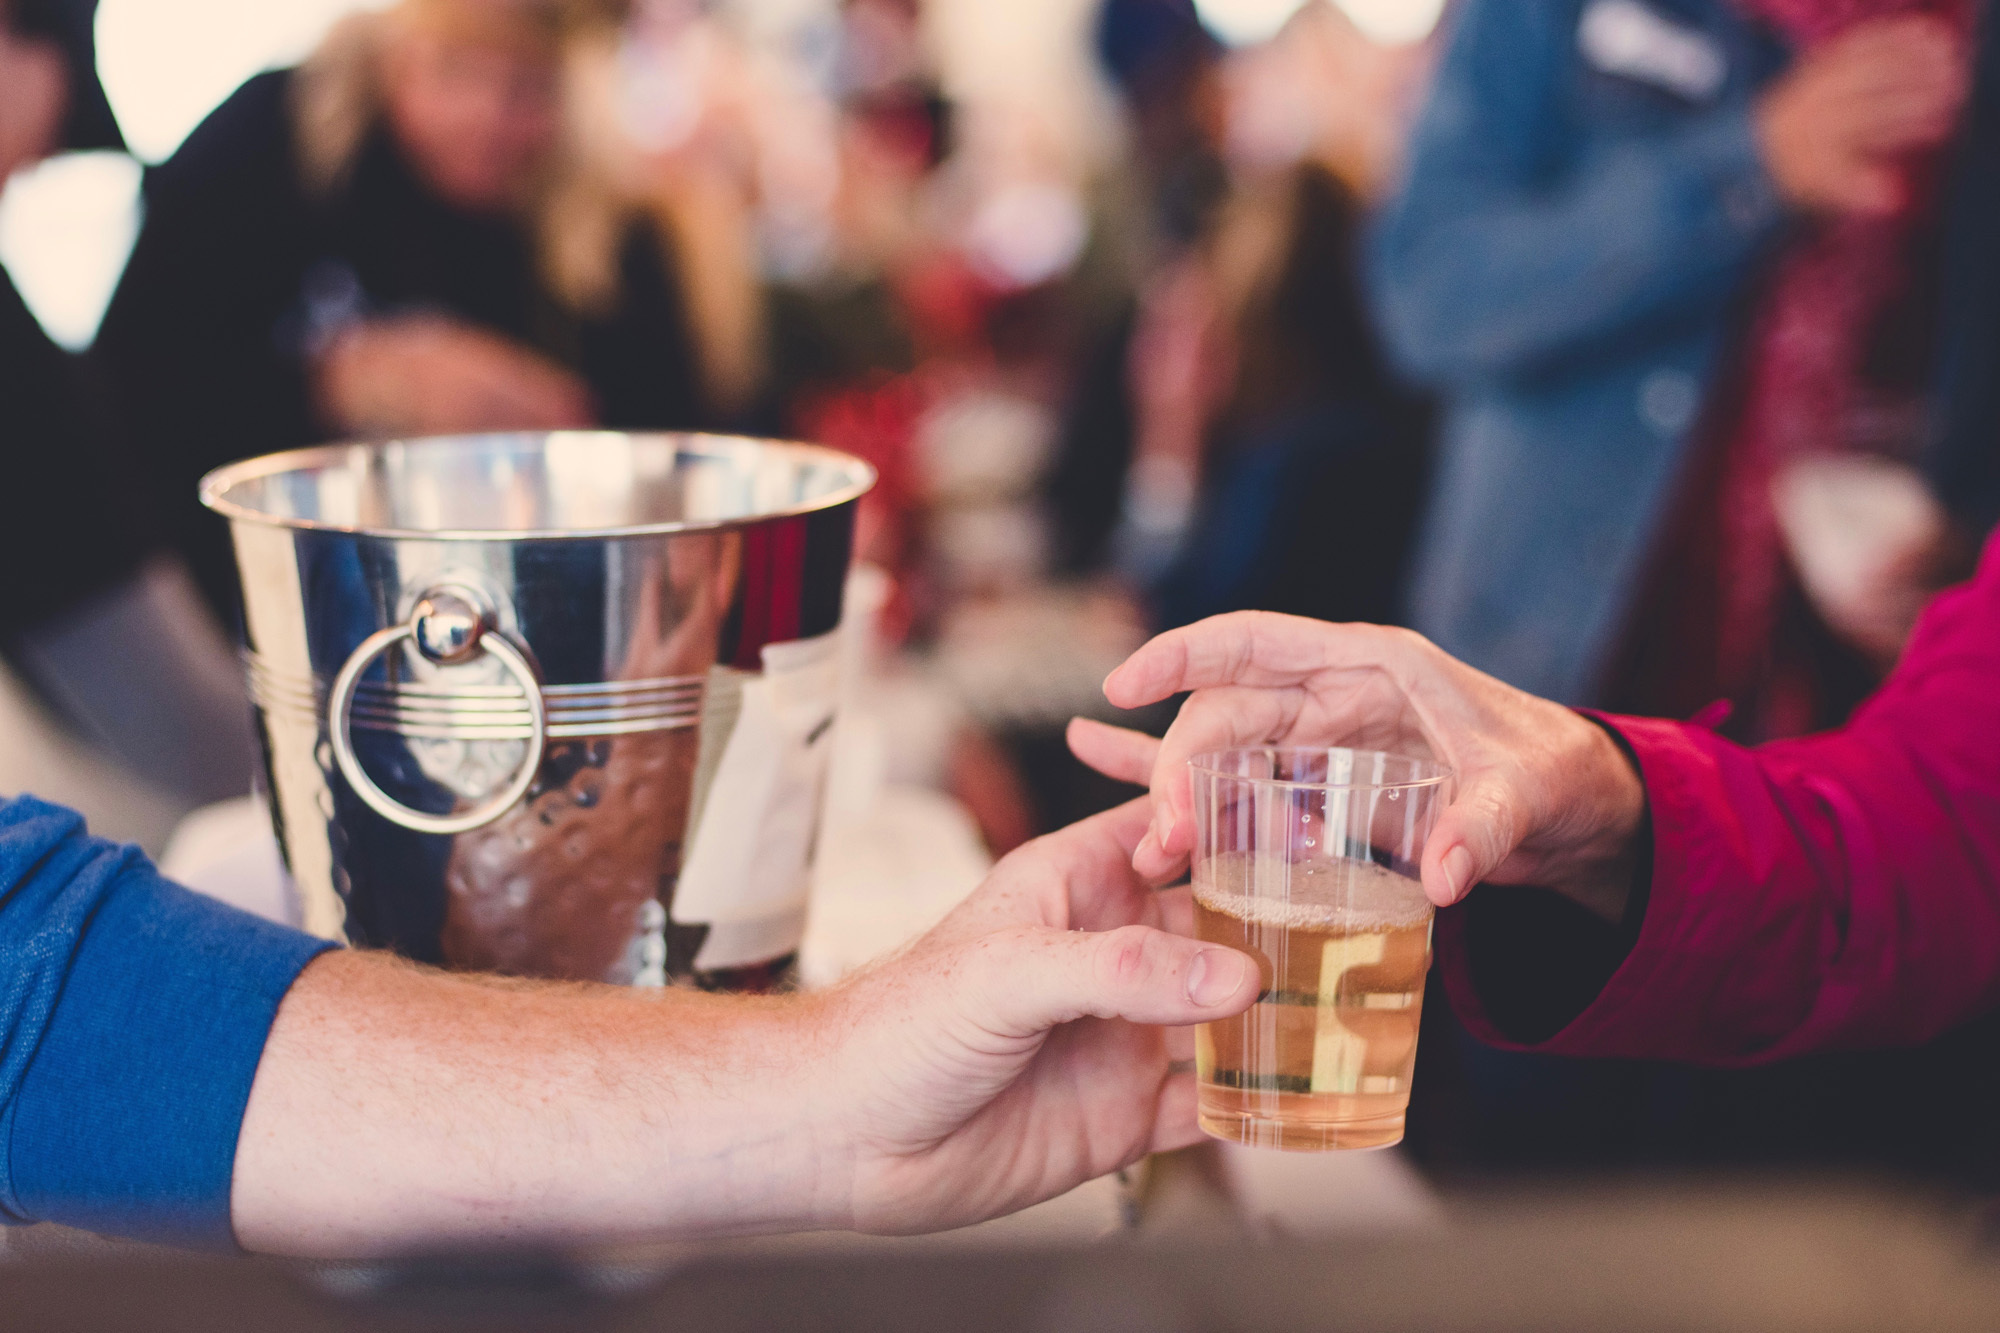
(127, 1120)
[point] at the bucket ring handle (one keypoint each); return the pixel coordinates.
(447, 626)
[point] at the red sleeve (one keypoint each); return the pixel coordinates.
(1833, 892)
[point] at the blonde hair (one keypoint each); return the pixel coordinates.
(541, 23)
(575, 208)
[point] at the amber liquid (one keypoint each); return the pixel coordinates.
(1323, 1059)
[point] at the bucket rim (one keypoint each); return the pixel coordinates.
(217, 483)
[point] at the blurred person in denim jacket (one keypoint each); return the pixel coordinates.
(1592, 221)
(1656, 253)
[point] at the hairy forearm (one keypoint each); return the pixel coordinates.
(397, 1107)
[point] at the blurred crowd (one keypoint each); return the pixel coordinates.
(1639, 352)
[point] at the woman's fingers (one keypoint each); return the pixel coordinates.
(1155, 861)
(1892, 50)
(1224, 716)
(1905, 123)
(1360, 707)
(1244, 648)
(1474, 836)
(1118, 753)
(1262, 679)
(1212, 719)
(1255, 676)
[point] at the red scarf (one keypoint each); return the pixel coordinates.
(1801, 367)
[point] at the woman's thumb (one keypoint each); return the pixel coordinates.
(1476, 833)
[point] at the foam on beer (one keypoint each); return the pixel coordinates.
(1335, 895)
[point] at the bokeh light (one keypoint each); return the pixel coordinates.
(66, 227)
(167, 65)
(1389, 22)
(1394, 22)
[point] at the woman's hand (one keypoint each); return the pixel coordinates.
(1835, 127)
(432, 375)
(1540, 795)
(1014, 1052)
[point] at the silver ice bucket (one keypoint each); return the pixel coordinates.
(554, 705)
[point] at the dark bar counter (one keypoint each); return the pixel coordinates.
(1738, 1256)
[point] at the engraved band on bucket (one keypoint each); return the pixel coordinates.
(425, 711)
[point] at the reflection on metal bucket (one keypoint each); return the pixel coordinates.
(499, 679)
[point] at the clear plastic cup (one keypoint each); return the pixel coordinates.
(1307, 860)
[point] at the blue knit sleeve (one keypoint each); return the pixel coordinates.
(132, 1016)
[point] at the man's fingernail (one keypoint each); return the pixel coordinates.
(1457, 872)
(1215, 975)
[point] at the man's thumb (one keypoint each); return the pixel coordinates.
(1034, 980)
